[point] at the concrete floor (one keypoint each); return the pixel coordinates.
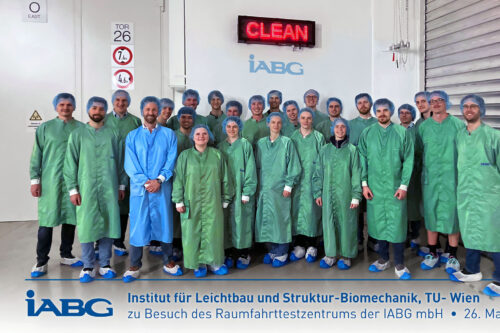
(17, 255)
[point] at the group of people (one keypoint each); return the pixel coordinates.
(206, 189)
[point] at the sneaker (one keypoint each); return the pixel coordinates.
(311, 254)
(174, 271)
(219, 270)
(156, 250)
(492, 290)
(443, 257)
(377, 266)
(431, 261)
(73, 262)
(280, 261)
(107, 272)
(229, 262)
(200, 272)
(176, 254)
(344, 263)
(424, 250)
(87, 275)
(268, 258)
(120, 251)
(130, 276)
(327, 262)
(242, 262)
(452, 265)
(39, 271)
(298, 253)
(403, 274)
(465, 276)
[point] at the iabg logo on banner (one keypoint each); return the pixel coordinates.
(69, 307)
(275, 67)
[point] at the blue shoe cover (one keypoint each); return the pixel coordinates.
(221, 271)
(293, 257)
(374, 269)
(450, 270)
(229, 262)
(428, 268)
(178, 273)
(109, 275)
(443, 259)
(37, 274)
(422, 253)
(86, 278)
(200, 272)
(454, 278)
(241, 265)
(342, 265)
(128, 279)
(323, 264)
(487, 291)
(405, 276)
(79, 263)
(159, 253)
(414, 246)
(120, 253)
(278, 263)
(310, 258)
(267, 259)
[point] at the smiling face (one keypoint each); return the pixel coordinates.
(191, 101)
(216, 103)
(471, 110)
(256, 107)
(334, 109)
(383, 114)
(65, 109)
(274, 102)
(186, 121)
(166, 112)
(201, 137)
(97, 112)
(232, 129)
(292, 112)
(311, 101)
(120, 105)
(340, 131)
(150, 113)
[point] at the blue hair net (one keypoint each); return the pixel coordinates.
(166, 102)
(441, 94)
(191, 136)
(422, 93)
(65, 96)
(409, 108)
(150, 99)
(363, 95)
(272, 115)
(343, 121)
(234, 103)
(186, 110)
(215, 93)
(306, 110)
(274, 93)
(311, 92)
(476, 99)
(334, 99)
(190, 93)
(120, 93)
(97, 101)
(288, 103)
(383, 101)
(234, 119)
(256, 98)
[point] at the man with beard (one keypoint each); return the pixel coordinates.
(95, 179)
(363, 103)
(386, 155)
(150, 155)
(311, 99)
(190, 98)
(334, 107)
(274, 101)
(216, 116)
(124, 122)
(166, 108)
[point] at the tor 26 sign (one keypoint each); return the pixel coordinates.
(276, 31)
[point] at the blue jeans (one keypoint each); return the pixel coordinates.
(398, 249)
(136, 254)
(88, 255)
(277, 249)
(473, 261)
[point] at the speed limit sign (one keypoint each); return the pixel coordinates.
(122, 56)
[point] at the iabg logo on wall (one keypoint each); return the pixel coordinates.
(275, 67)
(69, 307)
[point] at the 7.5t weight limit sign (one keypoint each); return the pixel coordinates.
(122, 56)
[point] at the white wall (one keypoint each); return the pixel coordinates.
(72, 53)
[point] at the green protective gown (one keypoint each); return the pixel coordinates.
(386, 156)
(238, 217)
(414, 190)
(46, 165)
(173, 122)
(418, 123)
(436, 144)
(288, 128)
(324, 128)
(124, 125)
(202, 182)
(94, 166)
(254, 130)
(337, 180)
(306, 215)
(278, 165)
(478, 190)
(215, 125)
(318, 118)
(356, 126)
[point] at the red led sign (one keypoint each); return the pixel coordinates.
(276, 31)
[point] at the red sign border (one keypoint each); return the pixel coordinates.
(131, 78)
(119, 63)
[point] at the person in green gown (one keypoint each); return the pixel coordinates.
(234, 108)
(202, 188)
(255, 127)
(239, 216)
(47, 184)
(334, 107)
(311, 99)
(292, 124)
(336, 186)
(216, 115)
(190, 98)
(306, 215)
(278, 170)
(95, 179)
(167, 107)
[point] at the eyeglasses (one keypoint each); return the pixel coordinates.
(436, 101)
(470, 106)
